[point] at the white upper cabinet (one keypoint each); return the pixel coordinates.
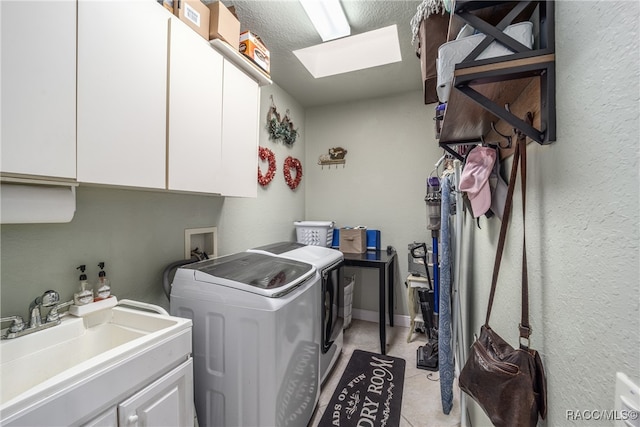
(195, 112)
(122, 92)
(38, 135)
(240, 124)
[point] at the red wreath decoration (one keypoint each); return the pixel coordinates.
(266, 154)
(294, 163)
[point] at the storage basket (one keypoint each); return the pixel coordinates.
(316, 233)
(349, 282)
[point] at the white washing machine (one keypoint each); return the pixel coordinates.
(256, 338)
(329, 263)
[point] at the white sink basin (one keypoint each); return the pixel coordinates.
(43, 361)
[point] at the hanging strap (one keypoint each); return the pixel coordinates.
(520, 151)
(525, 329)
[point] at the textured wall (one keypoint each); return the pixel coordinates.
(138, 233)
(582, 220)
(391, 150)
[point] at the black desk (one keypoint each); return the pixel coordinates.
(384, 263)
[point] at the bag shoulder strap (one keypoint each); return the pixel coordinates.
(525, 329)
(520, 151)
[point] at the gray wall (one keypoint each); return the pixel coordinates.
(391, 149)
(582, 221)
(137, 233)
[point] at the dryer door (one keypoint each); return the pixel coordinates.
(331, 277)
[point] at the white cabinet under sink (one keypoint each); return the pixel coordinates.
(38, 88)
(159, 404)
(117, 367)
(108, 418)
(122, 92)
(162, 403)
(195, 112)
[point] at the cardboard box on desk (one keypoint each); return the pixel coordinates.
(195, 14)
(353, 240)
(223, 24)
(373, 239)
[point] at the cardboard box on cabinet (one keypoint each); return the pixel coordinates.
(223, 24)
(168, 4)
(195, 14)
(253, 48)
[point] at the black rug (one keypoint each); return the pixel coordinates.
(369, 393)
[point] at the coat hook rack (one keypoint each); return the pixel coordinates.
(509, 138)
(335, 156)
(329, 163)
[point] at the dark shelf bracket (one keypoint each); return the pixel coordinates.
(546, 73)
(448, 147)
(495, 33)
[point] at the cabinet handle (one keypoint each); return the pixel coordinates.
(133, 419)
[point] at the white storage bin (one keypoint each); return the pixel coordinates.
(348, 300)
(453, 52)
(316, 233)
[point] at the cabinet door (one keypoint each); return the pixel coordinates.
(240, 124)
(122, 92)
(195, 112)
(166, 402)
(109, 418)
(38, 88)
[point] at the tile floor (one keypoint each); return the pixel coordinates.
(421, 405)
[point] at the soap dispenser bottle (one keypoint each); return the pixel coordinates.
(84, 295)
(103, 287)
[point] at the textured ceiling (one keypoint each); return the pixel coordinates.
(284, 27)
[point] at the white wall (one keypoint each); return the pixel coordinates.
(582, 221)
(391, 150)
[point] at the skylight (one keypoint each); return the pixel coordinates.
(366, 50)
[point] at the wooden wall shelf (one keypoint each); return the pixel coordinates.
(502, 90)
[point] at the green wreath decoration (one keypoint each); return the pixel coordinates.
(273, 123)
(281, 128)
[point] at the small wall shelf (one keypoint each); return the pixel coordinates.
(332, 162)
(502, 91)
(241, 61)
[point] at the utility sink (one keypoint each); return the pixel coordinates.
(45, 362)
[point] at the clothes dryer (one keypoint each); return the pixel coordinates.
(329, 263)
(256, 338)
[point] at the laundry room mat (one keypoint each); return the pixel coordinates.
(369, 392)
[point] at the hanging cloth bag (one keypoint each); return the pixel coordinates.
(509, 384)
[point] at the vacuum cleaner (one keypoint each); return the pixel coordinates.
(427, 355)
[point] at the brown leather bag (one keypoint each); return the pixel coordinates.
(509, 384)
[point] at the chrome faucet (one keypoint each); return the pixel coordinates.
(48, 299)
(17, 324)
